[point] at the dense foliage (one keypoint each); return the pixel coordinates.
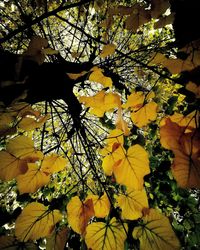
(99, 126)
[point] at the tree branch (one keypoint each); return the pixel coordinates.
(40, 18)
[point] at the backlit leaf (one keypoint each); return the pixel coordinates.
(132, 204)
(35, 47)
(108, 50)
(121, 123)
(145, 114)
(142, 113)
(113, 158)
(135, 100)
(32, 180)
(57, 240)
(115, 136)
(170, 134)
(101, 205)
(132, 167)
(36, 222)
(156, 232)
(186, 164)
(106, 236)
(53, 163)
(137, 18)
(28, 123)
(79, 214)
(186, 169)
(189, 121)
(101, 102)
(10, 166)
(22, 146)
(98, 76)
(174, 65)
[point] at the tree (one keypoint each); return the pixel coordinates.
(99, 125)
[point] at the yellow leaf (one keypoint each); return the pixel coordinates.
(28, 123)
(79, 214)
(115, 136)
(156, 232)
(21, 146)
(98, 76)
(121, 123)
(132, 204)
(101, 205)
(101, 102)
(32, 180)
(10, 166)
(109, 236)
(173, 127)
(189, 121)
(36, 222)
(170, 134)
(23, 109)
(186, 164)
(53, 163)
(108, 50)
(113, 158)
(145, 114)
(137, 19)
(186, 170)
(34, 50)
(132, 167)
(7, 130)
(58, 239)
(6, 118)
(135, 100)
(175, 66)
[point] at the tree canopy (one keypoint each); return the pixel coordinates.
(99, 124)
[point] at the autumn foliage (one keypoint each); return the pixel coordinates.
(101, 183)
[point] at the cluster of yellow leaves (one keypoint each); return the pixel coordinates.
(176, 65)
(30, 167)
(137, 15)
(36, 221)
(101, 102)
(144, 110)
(128, 166)
(20, 115)
(180, 134)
